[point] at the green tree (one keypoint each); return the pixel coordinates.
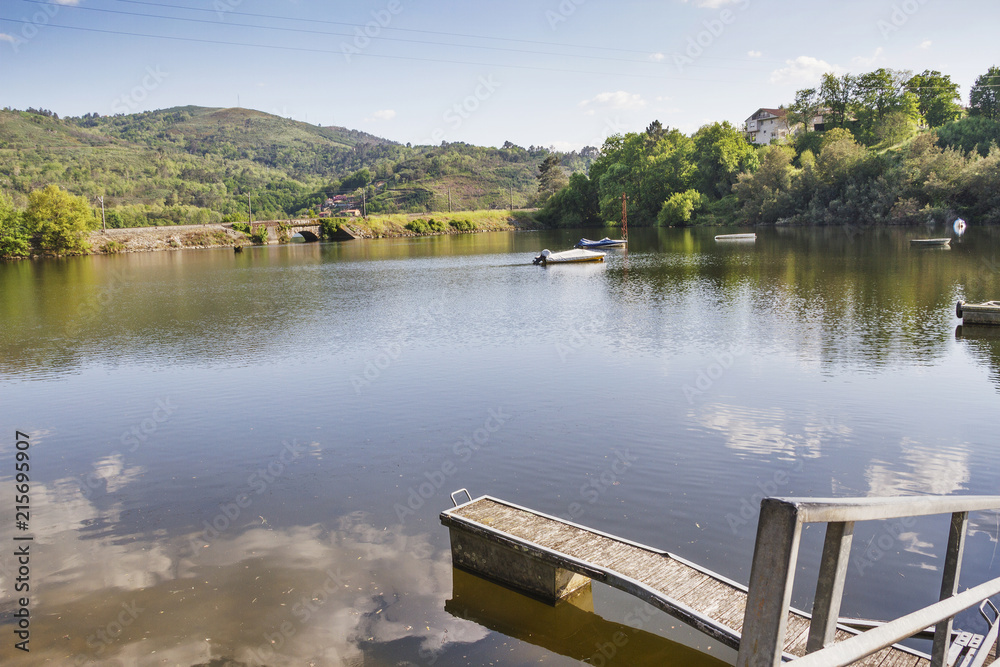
(722, 154)
(358, 179)
(807, 105)
(837, 94)
(13, 234)
(58, 222)
(551, 177)
(937, 97)
(680, 208)
(984, 97)
(878, 94)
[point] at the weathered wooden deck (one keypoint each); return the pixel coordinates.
(507, 533)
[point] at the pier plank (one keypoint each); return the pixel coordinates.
(716, 604)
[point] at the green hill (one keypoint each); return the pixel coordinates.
(197, 164)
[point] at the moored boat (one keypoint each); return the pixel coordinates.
(568, 257)
(930, 242)
(603, 243)
(736, 237)
(987, 312)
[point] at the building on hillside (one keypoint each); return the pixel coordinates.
(767, 125)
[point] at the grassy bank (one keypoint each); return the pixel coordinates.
(414, 224)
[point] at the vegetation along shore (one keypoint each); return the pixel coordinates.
(883, 147)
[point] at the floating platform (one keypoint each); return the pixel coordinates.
(987, 312)
(548, 559)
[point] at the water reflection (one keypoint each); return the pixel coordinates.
(570, 628)
(920, 468)
(983, 343)
(850, 382)
(266, 596)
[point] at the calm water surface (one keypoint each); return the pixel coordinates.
(240, 459)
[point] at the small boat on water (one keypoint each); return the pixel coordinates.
(603, 243)
(987, 312)
(569, 256)
(736, 237)
(931, 242)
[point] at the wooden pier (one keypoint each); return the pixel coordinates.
(548, 558)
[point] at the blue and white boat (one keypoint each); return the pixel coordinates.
(603, 243)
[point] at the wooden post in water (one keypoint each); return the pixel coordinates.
(624, 218)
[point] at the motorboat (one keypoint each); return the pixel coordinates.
(569, 257)
(603, 243)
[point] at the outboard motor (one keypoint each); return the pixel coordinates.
(541, 258)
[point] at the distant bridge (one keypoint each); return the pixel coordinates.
(307, 228)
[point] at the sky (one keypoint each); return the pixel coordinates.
(555, 73)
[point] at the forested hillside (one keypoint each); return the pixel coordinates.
(195, 165)
(884, 147)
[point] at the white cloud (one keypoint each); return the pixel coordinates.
(862, 61)
(67, 2)
(754, 54)
(657, 57)
(803, 70)
(926, 44)
(616, 100)
(382, 114)
(4, 37)
(715, 4)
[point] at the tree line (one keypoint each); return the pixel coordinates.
(893, 147)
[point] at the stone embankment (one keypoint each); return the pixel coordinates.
(144, 239)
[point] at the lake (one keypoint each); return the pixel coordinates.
(241, 458)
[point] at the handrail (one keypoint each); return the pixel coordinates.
(772, 575)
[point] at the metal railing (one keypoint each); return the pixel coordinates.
(773, 572)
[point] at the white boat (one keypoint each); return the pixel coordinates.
(603, 243)
(930, 242)
(736, 237)
(569, 256)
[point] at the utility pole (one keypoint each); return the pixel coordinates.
(249, 211)
(512, 198)
(364, 204)
(449, 200)
(104, 223)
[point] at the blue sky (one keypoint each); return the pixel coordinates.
(562, 73)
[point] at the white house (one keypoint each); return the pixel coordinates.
(767, 124)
